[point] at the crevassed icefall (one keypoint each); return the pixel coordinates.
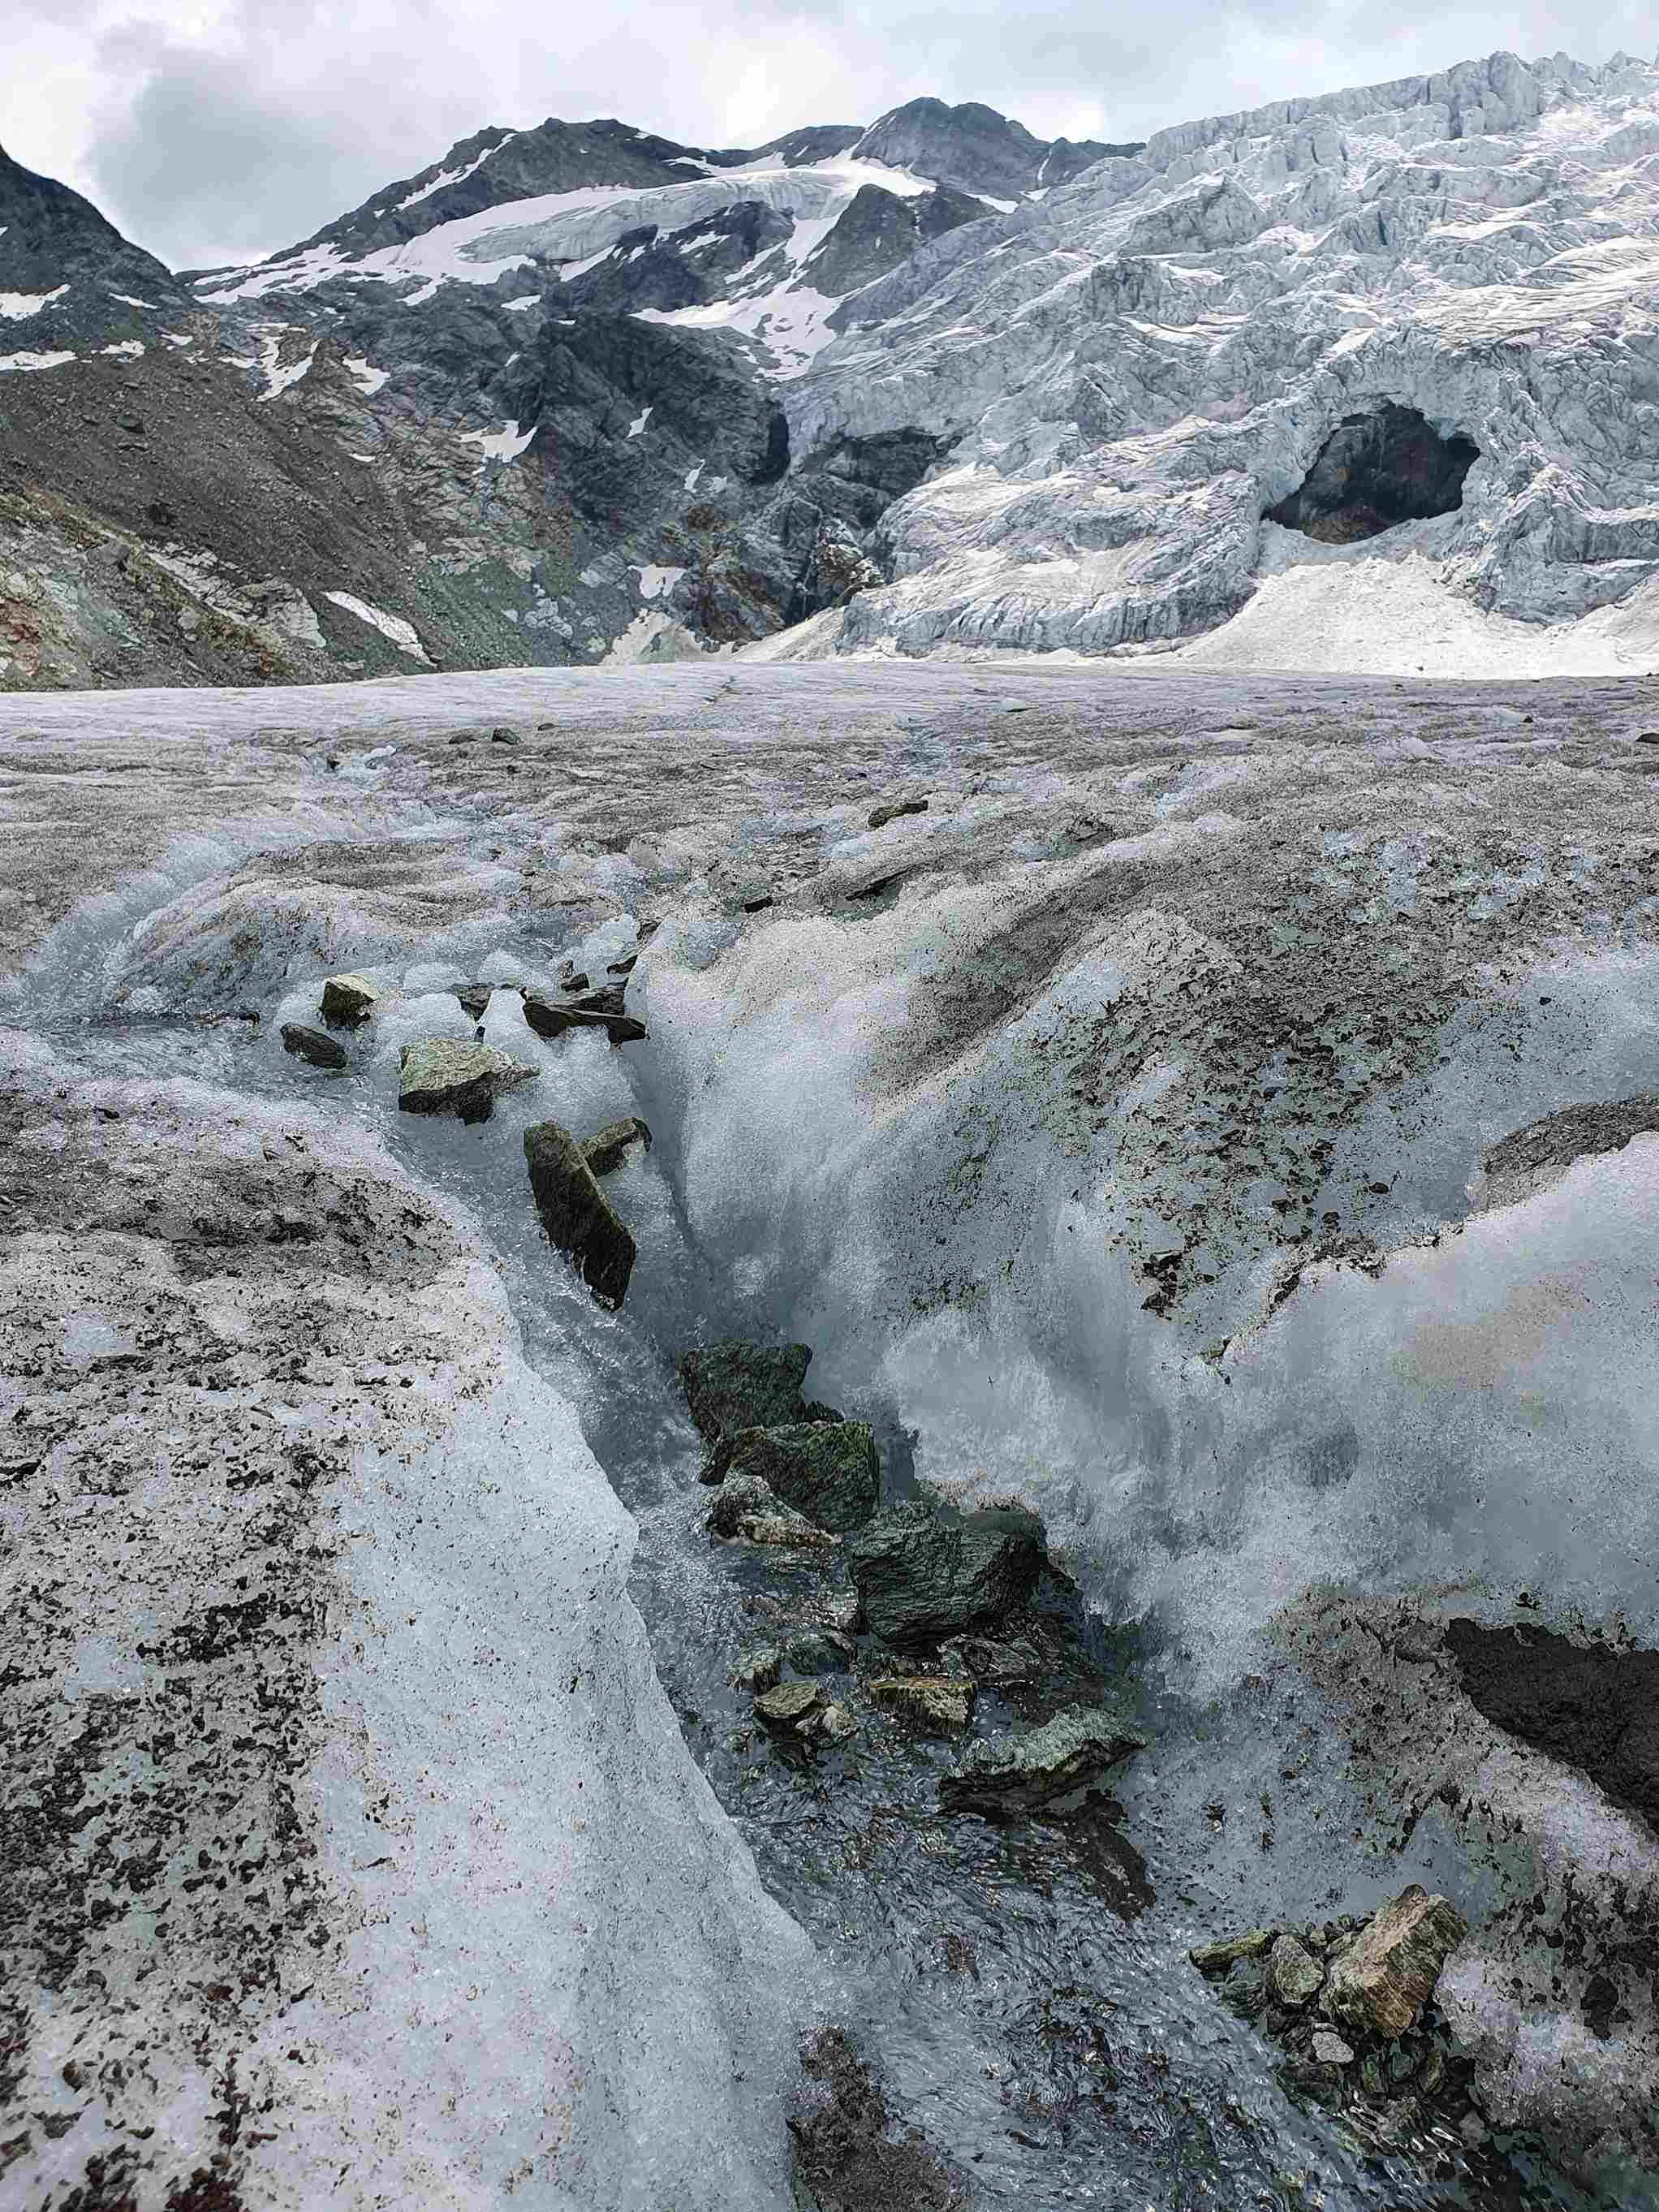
(1139, 368)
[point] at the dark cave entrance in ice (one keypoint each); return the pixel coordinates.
(1374, 471)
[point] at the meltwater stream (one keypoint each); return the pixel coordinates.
(1022, 1990)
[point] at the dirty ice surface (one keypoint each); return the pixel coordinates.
(944, 1109)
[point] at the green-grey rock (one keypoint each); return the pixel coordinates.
(1217, 1958)
(441, 1075)
(789, 1706)
(921, 1578)
(1029, 1766)
(1382, 1983)
(827, 1470)
(747, 1508)
(941, 1703)
(1296, 1976)
(347, 1000)
(311, 1045)
(881, 816)
(575, 1212)
(758, 1670)
(821, 1652)
(606, 1151)
(733, 1386)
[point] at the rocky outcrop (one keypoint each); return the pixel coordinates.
(921, 1578)
(438, 1075)
(939, 1704)
(575, 1212)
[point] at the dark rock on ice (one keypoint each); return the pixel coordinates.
(921, 1578)
(881, 816)
(440, 1076)
(348, 1001)
(850, 2154)
(551, 1018)
(606, 1151)
(575, 1212)
(311, 1044)
(1033, 1766)
(475, 998)
(505, 737)
(1593, 1707)
(828, 1470)
(734, 1385)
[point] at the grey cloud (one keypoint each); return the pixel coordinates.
(299, 110)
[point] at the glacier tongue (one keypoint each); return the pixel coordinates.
(1140, 367)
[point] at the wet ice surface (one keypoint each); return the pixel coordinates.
(970, 1264)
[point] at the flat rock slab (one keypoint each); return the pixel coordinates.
(828, 1470)
(921, 1578)
(1384, 1982)
(1033, 1766)
(882, 816)
(312, 1045)
(551, 1017)
(734, 1385)
(439, 1075)
(577, 1217)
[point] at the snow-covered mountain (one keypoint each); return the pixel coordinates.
(1368, 377)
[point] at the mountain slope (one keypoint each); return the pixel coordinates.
(579, 394)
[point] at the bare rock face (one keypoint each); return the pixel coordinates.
(1384, 1982)
(441, 1076)
(575, 1212)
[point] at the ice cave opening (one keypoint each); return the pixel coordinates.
(1386, 466)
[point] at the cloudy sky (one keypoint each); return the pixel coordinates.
(217, 130)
